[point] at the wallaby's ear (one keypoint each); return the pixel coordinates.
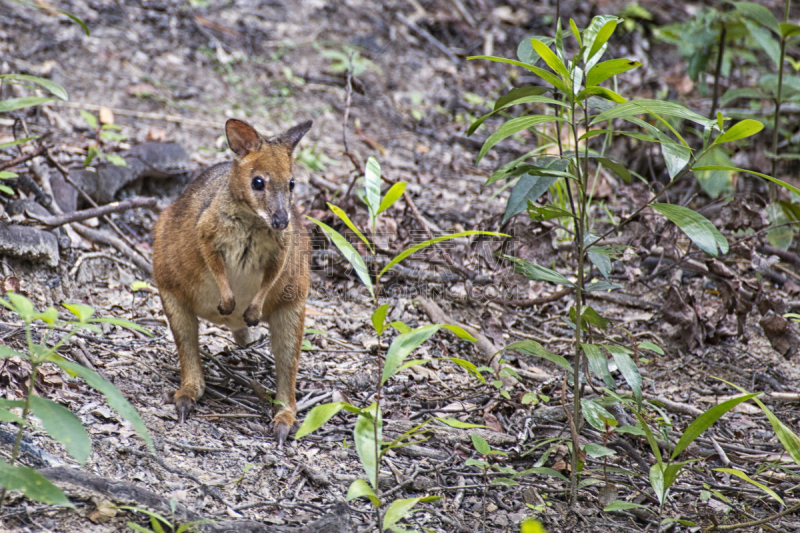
(291, 137)
(242, 138)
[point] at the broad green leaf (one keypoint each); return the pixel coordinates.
(372, 186)
(392, 195)
(32, 483)
(20, 305)
(317, 417)
(339, 212)
(8, 416)
(550, 58)
(82, 312)
(349, 253)
(379, 318)
(544, 471)
(602, 92)
(740, 130)
(365, 440)
(598, 364)
(576, 32)
(602, 37)
(139, 529)
(547, 76)
(602, 71)
(528, 189)
(12, 104)
(469, 366)
(54, 88)
(760, 175)
(628, 369)
(741, 475)
(547, 212)
(113, 396)
(480, 444)
(361, 489)
(535, 349)
(624, 506)
(657, 481)
(789, 30)
(594, 413)
(647, 345)
(650, 438)
(530, 525)
(419, 246)
(517, 100)
(590, 34)
(63, 426)
(459, 332)
(765, 40)
(5, 174)
(120, 322)
(760, 14)
(697, 227)
(515, 125)
(596, 450)
(5, 352)
(403, 345)
(17, 142)
(90, 119)
(714, 182)
(704, 421)
(676, 157)
(397, 510)
(659, 108)
(537, 273)
(743, 92)
(455, 423)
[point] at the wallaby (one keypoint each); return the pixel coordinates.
(232, 249)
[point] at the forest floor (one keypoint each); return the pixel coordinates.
(176, 71)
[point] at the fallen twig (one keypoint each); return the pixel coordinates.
(103, 238)
(486, 347)
(21, 159)
(85, 214)
(428, 37)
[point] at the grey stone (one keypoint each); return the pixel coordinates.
(29, 243)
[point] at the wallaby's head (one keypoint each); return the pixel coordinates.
(261, 177)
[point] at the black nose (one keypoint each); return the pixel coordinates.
(280, 220)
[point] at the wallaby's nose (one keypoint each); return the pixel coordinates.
(280, 220)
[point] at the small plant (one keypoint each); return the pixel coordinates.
(106, 133)
(368, 431)
(58, 422)
(159, 523)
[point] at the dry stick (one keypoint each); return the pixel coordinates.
(77, 216)
(754, 523)
(428, 37)
(103, 238)
(21, 159)
(138, 114)
(530, 302)
(345, 119)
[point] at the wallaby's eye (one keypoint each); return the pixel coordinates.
(291, 185)
(257, 183)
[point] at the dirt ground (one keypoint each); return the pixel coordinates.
(176, 71)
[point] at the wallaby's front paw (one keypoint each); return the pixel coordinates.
(252, 316)
(184, 404)
(281, 425)
(226, 306)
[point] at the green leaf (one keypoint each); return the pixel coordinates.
(535, 349)
(12, 104)
(113, 396)
(550, 58)
(602, 71)
(379, 318)
(469, 366)
(575, 31)
(20, 305)
(744, 92)
(650, 438)
(317, 417)
(403, 345)
(760, 14)
(116, 160)
(602, 37)
(598, 364)
(657, 108)
(63, 426)
(765, 40)
(139, 529)
(715, 182)
(537, 273)
(392, 195)
(5, 352)
(543, 471)
(455, 423)
(628, 369)
(480, 444)
(419, 246)
(657, 481)
(82, 312)
(602, 92)
(525, 51)
(520, 95)
(594, 413)
(592, 34)
(17, 142)
(528, 189)
(8, 416)
(122, 323)
(54, 88)
(397, 510)
(515, 125)
(760, 175)
(361, 489)
(740, 130)
(90, 119)
(459, 332)
(372, 185)
(647, 345)
(339, 212)
(704, 421)
(349, 253)
(365, 439)
(789, 30)
(5, 174)
(624, 506)
(697, 227)
(596, 450)
(741, 475)
(676, 157)
(32, 483)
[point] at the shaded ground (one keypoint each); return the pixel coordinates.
(266, 62)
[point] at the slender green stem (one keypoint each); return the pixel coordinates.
(377, 420)
(718, 69)
(773, 189)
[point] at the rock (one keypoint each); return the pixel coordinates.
(29, 243)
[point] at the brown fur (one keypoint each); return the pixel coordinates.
(225, 252)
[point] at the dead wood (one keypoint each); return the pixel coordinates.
(83, 485)
(85, 214)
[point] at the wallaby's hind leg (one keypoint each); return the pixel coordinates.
(183, 323)
(286, 333)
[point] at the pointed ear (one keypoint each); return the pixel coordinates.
(291, 137)
(242, 138)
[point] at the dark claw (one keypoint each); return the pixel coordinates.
(184, 406)
(281, 431)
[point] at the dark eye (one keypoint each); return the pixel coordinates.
(257, 183)
(291, 185)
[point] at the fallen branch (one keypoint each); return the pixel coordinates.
(85, 214)
(21, 159)
(486, 347)
(102, 238)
